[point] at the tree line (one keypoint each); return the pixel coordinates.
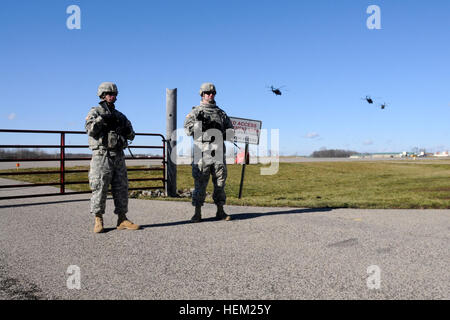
(41, 154)
(333, 153)
(35, 154)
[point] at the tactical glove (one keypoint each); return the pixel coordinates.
(111, 121)
(201, 117)
(207, 123)
(125, 132)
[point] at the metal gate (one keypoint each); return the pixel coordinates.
(62, 159)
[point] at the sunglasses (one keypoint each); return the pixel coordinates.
(209, 92)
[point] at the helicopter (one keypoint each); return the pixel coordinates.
(276, 91)
(371, 101)
(368, 99)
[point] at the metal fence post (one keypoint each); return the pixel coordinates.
(62, 164)
(171, 125)
(243, 168)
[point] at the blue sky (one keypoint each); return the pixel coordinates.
(321, 51)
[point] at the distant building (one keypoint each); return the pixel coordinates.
(441, 154)
(390, 155)
(377, 155)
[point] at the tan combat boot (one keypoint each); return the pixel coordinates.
(124, 223)
(197, 217)
(221, 215)
(98, 227)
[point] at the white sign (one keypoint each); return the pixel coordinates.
(246, 130)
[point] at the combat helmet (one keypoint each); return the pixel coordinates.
(105, 87)
(207, 86)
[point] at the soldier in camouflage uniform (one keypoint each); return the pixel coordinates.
(108, 131)
(210, 127)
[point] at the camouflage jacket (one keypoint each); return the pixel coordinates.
(210, 115)
(206, 147)
(98, 124)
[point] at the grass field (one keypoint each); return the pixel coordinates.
(352, 184)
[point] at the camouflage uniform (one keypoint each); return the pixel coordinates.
(211, 159)
(108, 131)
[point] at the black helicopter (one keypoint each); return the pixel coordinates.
(276, 91)
(370, 101)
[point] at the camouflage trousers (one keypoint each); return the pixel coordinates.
(105, 170)
(201, 173)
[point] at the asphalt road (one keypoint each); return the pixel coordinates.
(263, 253)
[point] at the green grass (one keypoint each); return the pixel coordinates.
(72, 177)
(377, 184)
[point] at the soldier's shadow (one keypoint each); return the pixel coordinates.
(239, 216)
(245, 216)
(106, 230)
